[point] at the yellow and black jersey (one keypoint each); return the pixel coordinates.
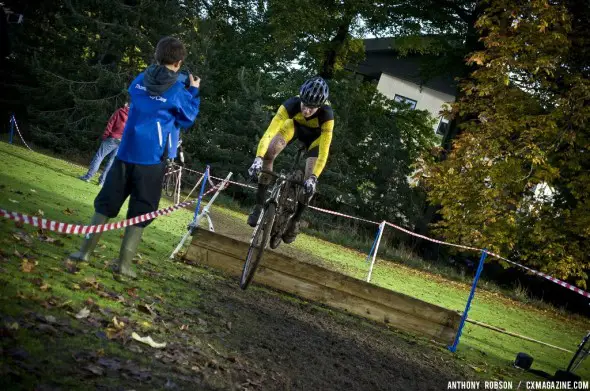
(315, 132)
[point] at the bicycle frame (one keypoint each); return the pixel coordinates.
(275, 193)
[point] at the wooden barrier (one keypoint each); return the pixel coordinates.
(325, 286)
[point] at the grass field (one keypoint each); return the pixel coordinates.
(36, 184)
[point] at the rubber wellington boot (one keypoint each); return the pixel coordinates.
(131, 240)
(90, 240)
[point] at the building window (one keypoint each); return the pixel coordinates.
(443, 126)
(403, 99)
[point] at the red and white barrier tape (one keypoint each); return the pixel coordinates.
(546, 276)
(222, 179)
(342, 215)
(430, 239)
(77, 229)
(19, 134)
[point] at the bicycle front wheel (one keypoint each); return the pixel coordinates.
(259, 243)
(170, 184)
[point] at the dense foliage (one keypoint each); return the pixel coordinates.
(517, 179)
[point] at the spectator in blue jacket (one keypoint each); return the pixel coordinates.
(160, 106)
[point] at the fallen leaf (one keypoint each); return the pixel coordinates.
(68, 211)
(92, 282)
(229, 325)
(21, 295)
(71, 267)
(65, 303)
(33, 190)
(184, 327)
(75, 287)
(25, 237)
(27, 266)
(118, 325)
(83, 313)
(95, 369)
(45, 287)
(13, 201)
(148, 341)
(113, 333)
(40, 213)
(13, 326)
(132, 292)
(46, 239)
(50, 319)
(477, 369)
(146, 309)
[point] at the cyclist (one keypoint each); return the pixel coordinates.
(308, 118)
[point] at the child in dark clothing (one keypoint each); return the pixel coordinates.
(160, 106)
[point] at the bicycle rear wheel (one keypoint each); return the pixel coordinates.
(582, 352)
(259, 243)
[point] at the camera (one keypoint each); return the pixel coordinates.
(184, 78)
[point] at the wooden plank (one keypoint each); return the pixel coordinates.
(284, 264)
(327, 287)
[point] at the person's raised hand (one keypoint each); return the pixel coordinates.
(195, 81)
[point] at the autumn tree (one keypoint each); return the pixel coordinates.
(517, 178)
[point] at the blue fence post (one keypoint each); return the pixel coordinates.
(11, 128)
(374, 244)
(484, 254)
(379, 234)
(198, 207)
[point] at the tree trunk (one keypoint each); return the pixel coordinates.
(335, 48)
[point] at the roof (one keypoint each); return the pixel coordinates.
(382, 57)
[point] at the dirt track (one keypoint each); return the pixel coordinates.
(296, 345)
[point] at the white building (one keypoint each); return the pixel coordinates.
(401, 79)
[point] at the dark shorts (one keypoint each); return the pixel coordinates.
(308, 137)
(142, 183)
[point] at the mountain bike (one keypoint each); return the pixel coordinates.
(274, 218)
(171, 178)
(171, 182)
(581, 354)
